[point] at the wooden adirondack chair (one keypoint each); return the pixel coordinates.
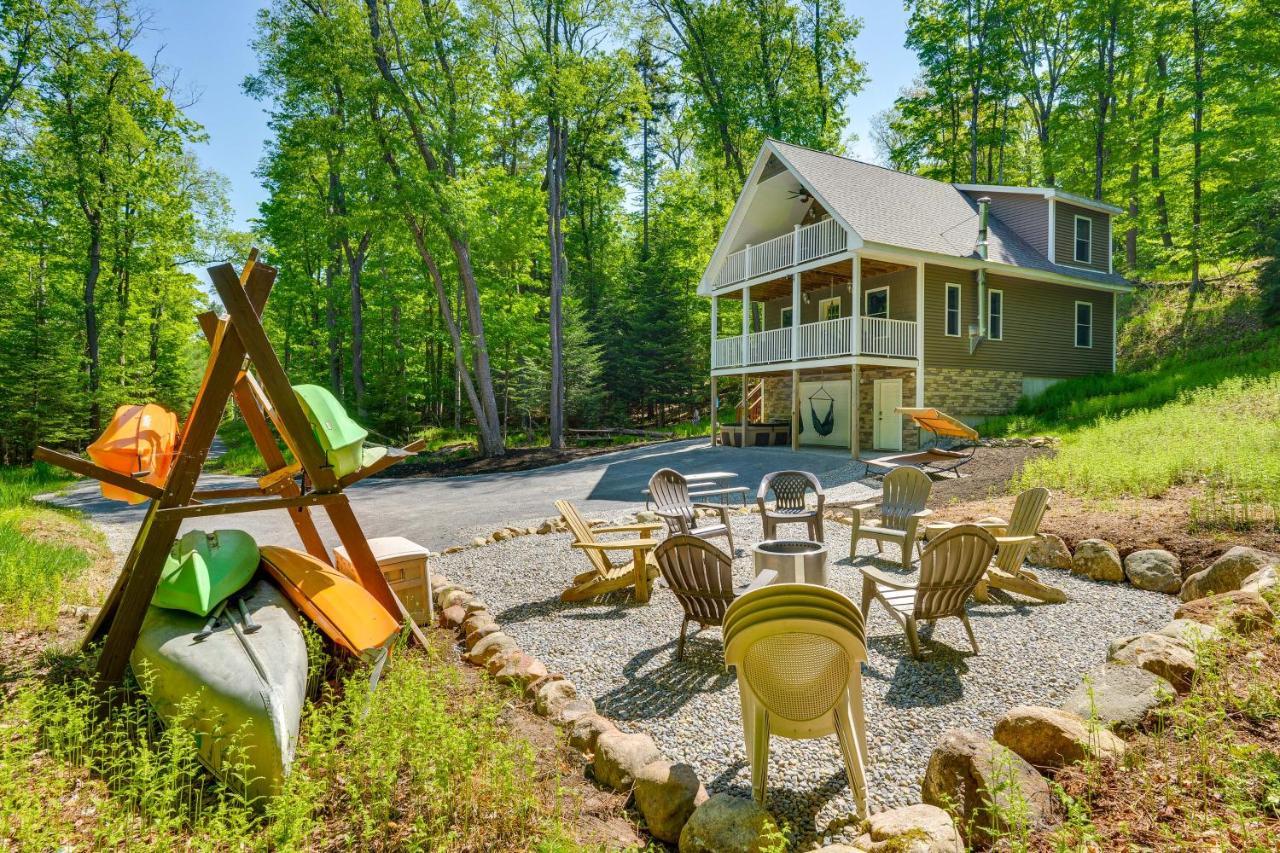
(902, 507)
(1014, 540)
(605, 575)
(670, 492)
(950, 568)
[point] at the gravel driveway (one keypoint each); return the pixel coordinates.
(623, 655)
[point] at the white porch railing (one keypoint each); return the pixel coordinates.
(768, 347)
(805, 244)
(824, 339)
(892, 338)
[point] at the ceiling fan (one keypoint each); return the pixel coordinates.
(800, 194)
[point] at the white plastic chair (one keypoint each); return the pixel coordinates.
(798, 650)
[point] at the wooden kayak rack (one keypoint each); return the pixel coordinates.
(238, 346)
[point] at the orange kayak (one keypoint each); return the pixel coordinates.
(138, 443)
(341, 608)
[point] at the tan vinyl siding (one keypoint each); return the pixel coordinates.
(1039, 326)
(902, 299)
(902, 292)
(1064, 237)
(1027, 215)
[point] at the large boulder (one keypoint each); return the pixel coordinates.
(550, 696)
(1118, 695)
(620, 756)
(520, 670)
(729, 824)
(1228, 572)
(666, 795)
(490, 647)
(1048, 737)
(988, 788)
(1050, 552)
(1168, 658)
(1243, 610)
(1188, 631)
(585, 731)
(921, 828)
(1262, 580)
(568, 713)
(1154, 569)
(1097, 559)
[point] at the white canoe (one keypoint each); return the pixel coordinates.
(249, 688)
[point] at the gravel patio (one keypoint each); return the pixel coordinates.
(623, 656)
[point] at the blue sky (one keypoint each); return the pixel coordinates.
(210, 43)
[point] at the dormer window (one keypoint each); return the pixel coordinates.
(1084, 240)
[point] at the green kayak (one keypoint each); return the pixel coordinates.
(204, 568)
(340, 436)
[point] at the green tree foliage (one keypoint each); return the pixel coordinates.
(1166, 107)
(100, 206)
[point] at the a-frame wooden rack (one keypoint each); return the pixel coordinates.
(238, 343)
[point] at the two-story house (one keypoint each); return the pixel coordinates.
(860, 289)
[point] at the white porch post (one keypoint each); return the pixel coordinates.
(855, 304)
(795, 294)
(920, 335)
(746, 324)
(715, 327)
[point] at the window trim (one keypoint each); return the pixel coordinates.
(867, 293)
(946, 309)
(782, 317)
(822, 313)
(1075, 324)
(1075, 242)
(993, 337)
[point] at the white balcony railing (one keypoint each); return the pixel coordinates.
(805, 244)
(824, 339)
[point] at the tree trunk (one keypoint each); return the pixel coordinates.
(91, 347)
(355, 267)
(1197, 126)
(1162, 207)
(555, 238)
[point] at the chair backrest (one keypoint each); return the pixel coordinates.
(798, 668)
(789, 488)
(670, 492)
(1028, 510)
(582, 533)
(950, 568)
(699, 574)
(906, 491)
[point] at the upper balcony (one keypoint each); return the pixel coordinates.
(878, 336)
(803, 244)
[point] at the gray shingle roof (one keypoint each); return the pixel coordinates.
(897, 209)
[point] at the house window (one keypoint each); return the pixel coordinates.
(953, 311)
(829, 309)
(995, 315)
(786, 317)
(1084, 324)
(1084, 239)
(876, 303)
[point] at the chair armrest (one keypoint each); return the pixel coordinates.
(886, 580)
(924, 513)
(671, 513)
(862, 507)
(707, 506)
(638, 527)
(1014, 540)
(765, 578)
(618, 545)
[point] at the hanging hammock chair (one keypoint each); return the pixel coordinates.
(822, 425)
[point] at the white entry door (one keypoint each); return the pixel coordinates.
(887, 430)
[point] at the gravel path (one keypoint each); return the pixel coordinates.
(623, 655)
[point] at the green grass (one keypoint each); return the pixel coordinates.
(425, 762)
(1210, 419)
(42, 550)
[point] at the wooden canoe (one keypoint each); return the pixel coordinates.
(342, 609)
(240, 693)
(139, 443)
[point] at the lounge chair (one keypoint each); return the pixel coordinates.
(902, 507)
(798, 650)
(951, 566)
(790, 489)
(670, 492)
(701, 577)
(935, 459)
(605, 575)
(1013, 541)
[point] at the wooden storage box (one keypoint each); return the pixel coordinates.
(404, 565)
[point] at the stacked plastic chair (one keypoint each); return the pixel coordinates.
(797, 649)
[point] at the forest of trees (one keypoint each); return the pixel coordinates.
(492, 214)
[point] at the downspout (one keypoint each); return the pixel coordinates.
(977, 335)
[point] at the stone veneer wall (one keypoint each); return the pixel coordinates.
(866, 404)
(968, 392)
(777, 398)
